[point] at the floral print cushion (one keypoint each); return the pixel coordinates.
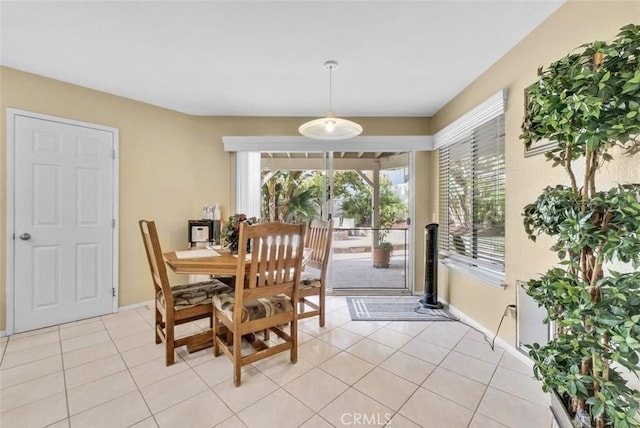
(254, 309)
(195, 294)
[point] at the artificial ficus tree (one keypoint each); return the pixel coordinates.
(589, 103)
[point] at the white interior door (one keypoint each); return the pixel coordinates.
(63, 222)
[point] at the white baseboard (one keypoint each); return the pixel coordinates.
(3, 333)
(148, 303)
(499, 341)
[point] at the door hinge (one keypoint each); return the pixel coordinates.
(408, 221)
(113, 223)
(113, 154)
(113, 292)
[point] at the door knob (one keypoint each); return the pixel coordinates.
(25, 236)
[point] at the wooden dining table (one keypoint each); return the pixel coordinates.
(224, 264)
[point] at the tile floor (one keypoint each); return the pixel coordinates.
(108, 372)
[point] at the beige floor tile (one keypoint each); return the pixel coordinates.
(117, 331)
(480, 350)
(430, 410)
(352, 407)
(316, 422)
(88, 354)
(99, 391)
(317, 351)
(280, 369)
(509, 361)
(30, 391)
(477, 336)
(60, 424)
(93, 370)
(410, 328)
(202, 410)
(79, 342)
(389, 337)
(512, 411)
(520, 385)
(232, 422)
(371, 351)
(69, 331)
(38, 413)
(347, 367)
(386, 388)
(340, 338)
(254, 386)
(399, 421)
(16, 345)
(171, 390)
(481, 421)
(120, 412)
(195, 358)
(316, 388)
(425, 351)
(40, 352)
(217, 370)
(407, 366)
(278, 409)
(29, 333)
(29, 371)
(470, 367)
(362, 328)
(445, 334)
(143, 354)
(132, 341)
(455, 387)
(155, 370)
(146, 423)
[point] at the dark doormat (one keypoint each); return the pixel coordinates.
(394, 308)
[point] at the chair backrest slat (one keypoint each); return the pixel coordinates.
(318, 238)
(275, 261)
(156, 259)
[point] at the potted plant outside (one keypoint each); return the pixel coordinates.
(383, 249)
(589, 103)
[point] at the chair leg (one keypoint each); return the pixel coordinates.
(321, 299)
(294, 338)
(169, 341)
(158, 324)
(215, 332)
(237, 360)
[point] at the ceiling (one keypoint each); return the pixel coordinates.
(265, 58)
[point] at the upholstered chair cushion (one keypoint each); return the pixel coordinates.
(310, 282)
(195, 294)
(254, 309)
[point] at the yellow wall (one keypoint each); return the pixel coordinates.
(170, 163)
(575, 23)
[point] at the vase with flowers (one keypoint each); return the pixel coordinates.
(231, 231)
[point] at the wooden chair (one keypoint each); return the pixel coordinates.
(266, 303)
(179, 304)
(318, 238)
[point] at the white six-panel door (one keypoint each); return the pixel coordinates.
(63, 222)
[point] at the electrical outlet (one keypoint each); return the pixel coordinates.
(513, 311)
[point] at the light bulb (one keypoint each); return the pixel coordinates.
(330, 125)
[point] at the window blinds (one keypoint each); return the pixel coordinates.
(472, 196)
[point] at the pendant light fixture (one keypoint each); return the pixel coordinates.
(330, 127)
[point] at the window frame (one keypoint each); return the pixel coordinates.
(460, 132)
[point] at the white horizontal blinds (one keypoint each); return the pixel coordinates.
(488, 193)
(472, 181)
(443, 192)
